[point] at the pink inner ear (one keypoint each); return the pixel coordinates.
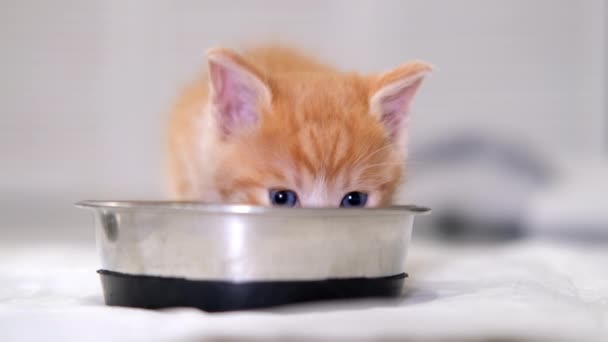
(395, 107)
(235, 98)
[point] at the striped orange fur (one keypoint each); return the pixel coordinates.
(273, 118)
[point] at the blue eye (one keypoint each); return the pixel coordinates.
(283, 198)
(354, 199)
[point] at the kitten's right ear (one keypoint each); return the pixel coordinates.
(238, 91)
(393, 92)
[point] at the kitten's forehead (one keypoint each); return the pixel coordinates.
(321, 159)
(323, 124)
(336, 153)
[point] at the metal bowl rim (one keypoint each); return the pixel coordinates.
(245, 209)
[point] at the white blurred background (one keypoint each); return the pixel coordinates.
(86, 86)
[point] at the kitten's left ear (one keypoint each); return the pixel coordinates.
(392, 94)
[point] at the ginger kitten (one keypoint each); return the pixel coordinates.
(272, 126)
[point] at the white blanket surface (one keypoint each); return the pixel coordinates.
(523, 290)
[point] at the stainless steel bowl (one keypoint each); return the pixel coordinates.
(244, 244)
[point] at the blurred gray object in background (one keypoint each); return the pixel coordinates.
(479, 186)
(489, 188)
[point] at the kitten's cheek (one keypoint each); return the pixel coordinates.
(244, 198)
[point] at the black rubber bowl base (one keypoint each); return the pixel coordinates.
(152, 292)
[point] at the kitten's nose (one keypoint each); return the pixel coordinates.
(318, 203)
(318, 195)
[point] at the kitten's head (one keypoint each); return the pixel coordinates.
(309, 139)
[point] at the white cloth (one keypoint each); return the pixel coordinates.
(525, 290)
